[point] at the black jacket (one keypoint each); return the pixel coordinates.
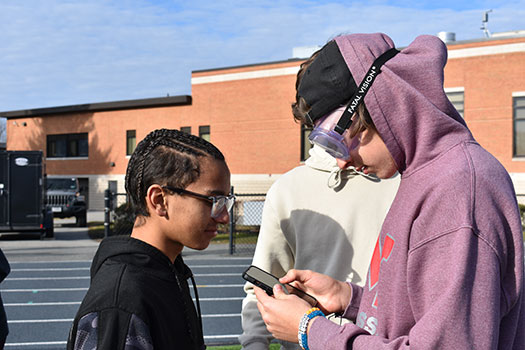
(4, 271)
(137, 299)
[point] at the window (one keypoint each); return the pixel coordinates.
(204, 132)
(305, 143)
(186, 129)
(67, 145)
(458, 101)
(518, 107)
(131, 141)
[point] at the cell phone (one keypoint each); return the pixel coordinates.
(266, 281)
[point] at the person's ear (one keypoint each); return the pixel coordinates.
(155, 201)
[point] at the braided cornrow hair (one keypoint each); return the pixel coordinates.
(165, 156)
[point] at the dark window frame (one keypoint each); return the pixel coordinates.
(67, 145)
(131, 141)
(451, 96)
(305, 143)
(518, 108)
(203, 131)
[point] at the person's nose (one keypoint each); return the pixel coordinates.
(343, 164)
(224, 217)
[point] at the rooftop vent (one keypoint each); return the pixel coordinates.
(304, 51)
(447, 37)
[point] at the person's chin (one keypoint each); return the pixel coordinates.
(201, 245)
(205, 243)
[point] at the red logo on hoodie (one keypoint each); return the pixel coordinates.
(381, 253)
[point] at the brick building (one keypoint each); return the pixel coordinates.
(245, 111)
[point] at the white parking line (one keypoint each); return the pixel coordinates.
(220, 285)
(37, 343)
(29, 290)
(221, 315)
(217, 274)
(189, 261)
(213, 266)
(50, 262)
(42, 290)
(56, 320)
(43, 304)
(69, 320)
(206, 337)
(47, 278)
(88, 277)
(220, 299)
(53, 269)
(88, 268)
(226, 336)
(57, 303)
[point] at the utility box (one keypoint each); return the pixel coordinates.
(22, 206)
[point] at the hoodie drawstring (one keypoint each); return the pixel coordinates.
(197, 301)
(334, 179)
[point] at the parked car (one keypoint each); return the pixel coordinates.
(64, 198)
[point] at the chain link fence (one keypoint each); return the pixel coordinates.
(240, 234)
(245, 222)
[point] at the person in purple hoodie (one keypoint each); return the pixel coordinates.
(447, 269)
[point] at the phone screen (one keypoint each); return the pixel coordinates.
(266, 281)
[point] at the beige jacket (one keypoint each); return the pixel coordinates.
(319, 218)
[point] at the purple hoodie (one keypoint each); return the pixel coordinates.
(447, 272)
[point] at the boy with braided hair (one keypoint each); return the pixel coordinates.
(178, 186)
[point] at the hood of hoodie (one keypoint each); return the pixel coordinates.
(407, 101)
(321, 160)
(135, 252)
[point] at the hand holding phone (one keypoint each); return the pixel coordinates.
(267, 281)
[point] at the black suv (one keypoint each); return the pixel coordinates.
(64, 198)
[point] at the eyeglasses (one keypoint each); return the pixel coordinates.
(219, 203)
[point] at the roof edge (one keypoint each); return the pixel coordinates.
(486, 40)
(249, 65)
(180, 100)
(504, 36)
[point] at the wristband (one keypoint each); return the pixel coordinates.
(303, 326)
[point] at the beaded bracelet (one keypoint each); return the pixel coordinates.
(303, 326)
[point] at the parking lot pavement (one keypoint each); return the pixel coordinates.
(50, 277)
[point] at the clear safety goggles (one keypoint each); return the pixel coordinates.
(334, 143)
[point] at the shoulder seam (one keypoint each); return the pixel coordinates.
(442, 154)
(481, 238)
(118, 284)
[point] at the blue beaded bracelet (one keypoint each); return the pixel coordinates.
(303, 326)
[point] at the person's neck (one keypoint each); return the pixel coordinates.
(150, 233)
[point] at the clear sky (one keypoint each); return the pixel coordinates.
(66, 52)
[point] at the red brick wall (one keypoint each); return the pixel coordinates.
(251, 120)
(489, 82)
